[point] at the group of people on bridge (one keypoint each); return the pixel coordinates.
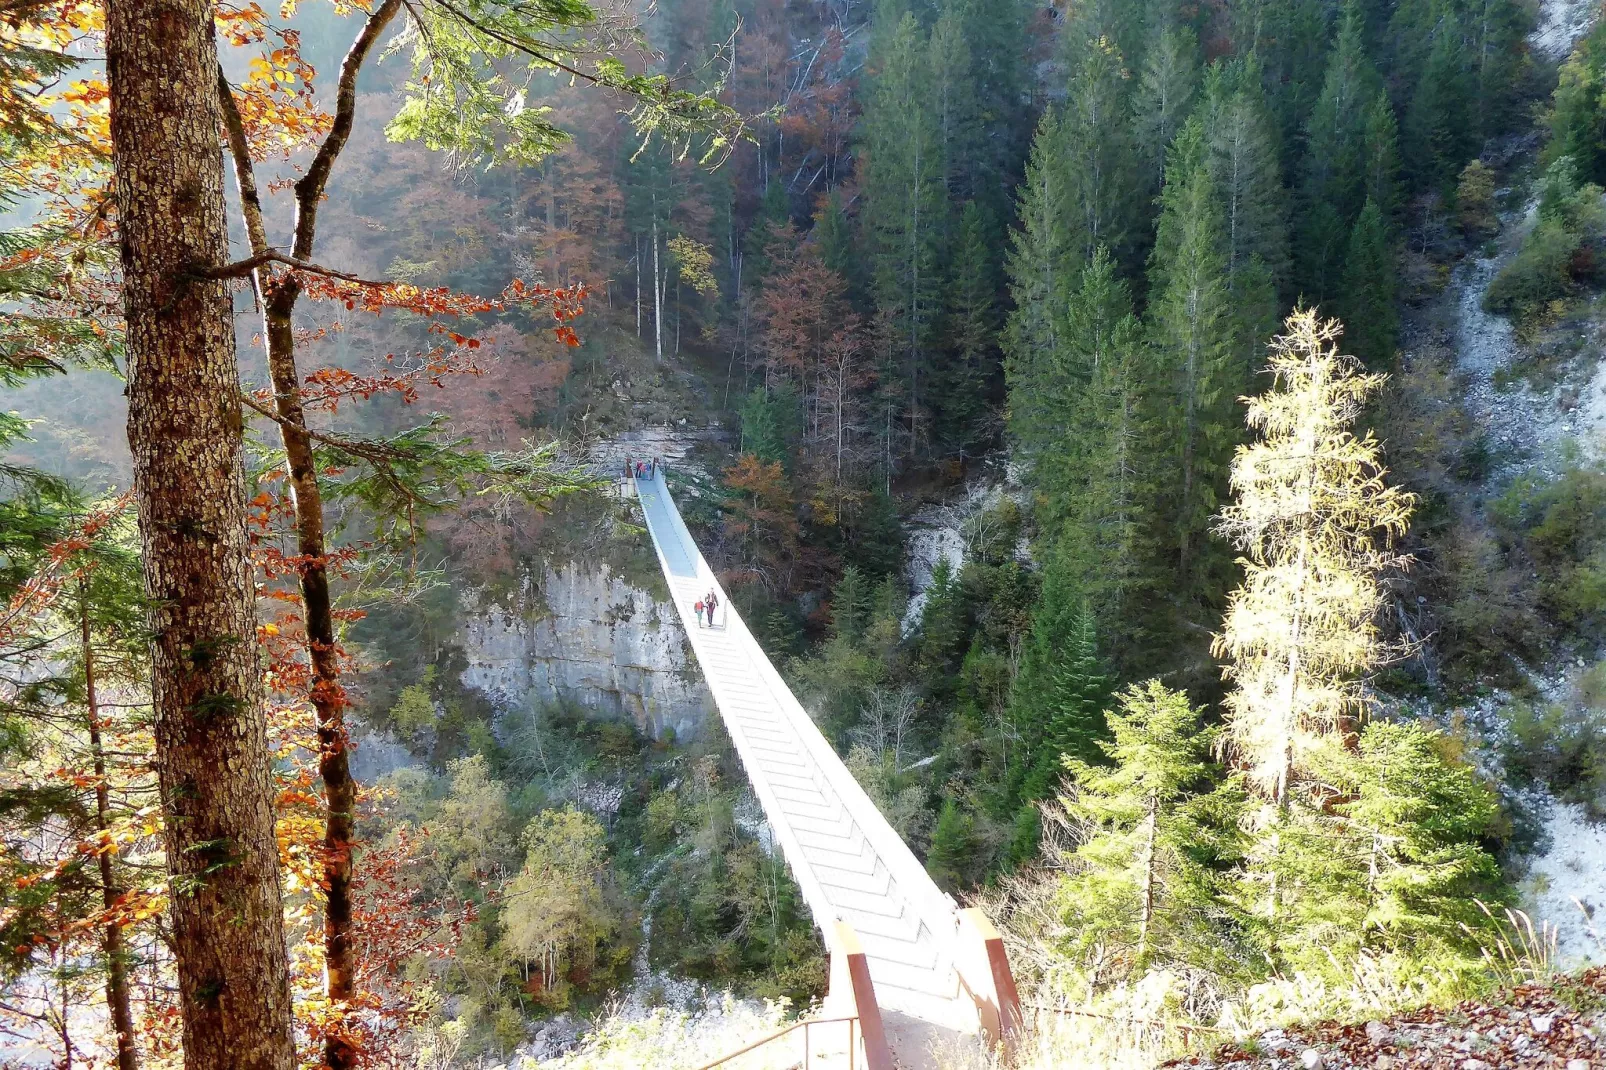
(641, 469)
(707, 604)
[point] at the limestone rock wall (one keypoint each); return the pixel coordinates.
(587, 636)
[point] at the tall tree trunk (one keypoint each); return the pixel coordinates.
(657, 290)
(117, 998)
(278, 295)
(185, 434)
(1147, 918)
(551, 225)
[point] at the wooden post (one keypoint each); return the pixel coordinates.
(852, 993)
(984, 967)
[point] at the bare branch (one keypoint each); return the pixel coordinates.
(241, 268)
(309, 188)
(244, 170)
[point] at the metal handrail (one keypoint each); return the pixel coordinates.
(801, 1023)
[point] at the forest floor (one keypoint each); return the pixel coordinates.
(1560, 1025)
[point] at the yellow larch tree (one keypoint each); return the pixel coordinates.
(1316, 524)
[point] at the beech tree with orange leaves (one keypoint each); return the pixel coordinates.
(456, 48)
(472, 63)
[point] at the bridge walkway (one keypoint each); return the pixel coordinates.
(849, 862)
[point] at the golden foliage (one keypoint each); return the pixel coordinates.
(1316, 523)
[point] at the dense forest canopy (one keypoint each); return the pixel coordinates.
(1174, 314)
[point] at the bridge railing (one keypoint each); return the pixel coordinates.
(851, 1002)
(965, 940)
(935, 907)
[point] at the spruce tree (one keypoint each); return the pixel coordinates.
(1315, 522)
(1164, 96)
(953, 99)
(1291, 37)
(1246, 169)
(1439, 123)
(1490, 38)
(1096, 320)
(1001, 95)
(1380, 852)
(1093, 473)
(1577, 117)
(970, 356)
(1333, 187)
(1368, 299)
(905, 202)
(1139, 888)
(1192, 336)
(1057, 701)
(1108, 535)
(850, 605)
(1040, 266)
(1380, 143)
(839, 248)
(950, 859)
(1100, 157)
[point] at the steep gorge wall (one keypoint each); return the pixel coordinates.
(586, 635)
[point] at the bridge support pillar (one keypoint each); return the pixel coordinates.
(851, 993)
(979, 957)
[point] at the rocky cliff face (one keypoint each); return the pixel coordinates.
(585, 635)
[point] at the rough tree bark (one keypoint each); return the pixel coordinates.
(278, 294)
(184, 431)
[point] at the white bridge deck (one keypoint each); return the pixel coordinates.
(850, 864)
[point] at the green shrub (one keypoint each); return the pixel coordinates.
(1561, 525)
(1538, 274)
(1563, 749)
(1558, 253)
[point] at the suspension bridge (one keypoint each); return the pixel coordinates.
(906, 961)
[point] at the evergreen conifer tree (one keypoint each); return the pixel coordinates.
(970, 356)
(850, 605)
(1192, 335)
(1108, 533)
(1100, 157)
(1380, 852)
(773, 216)
(1440, 134)
(771, 422)
(1092, 470)
(1140, 890)
(954, 100)
(1291, 37)
(1368, 298)
(949, 861)
(1577, 116)
(839, 248)
(1000, 88)
(1164, 96)
(1057, 701)
(1060, 442)
(1381, 146)
(906, 206)
(1041, 263)
(1333, 187)
(1247, 172)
